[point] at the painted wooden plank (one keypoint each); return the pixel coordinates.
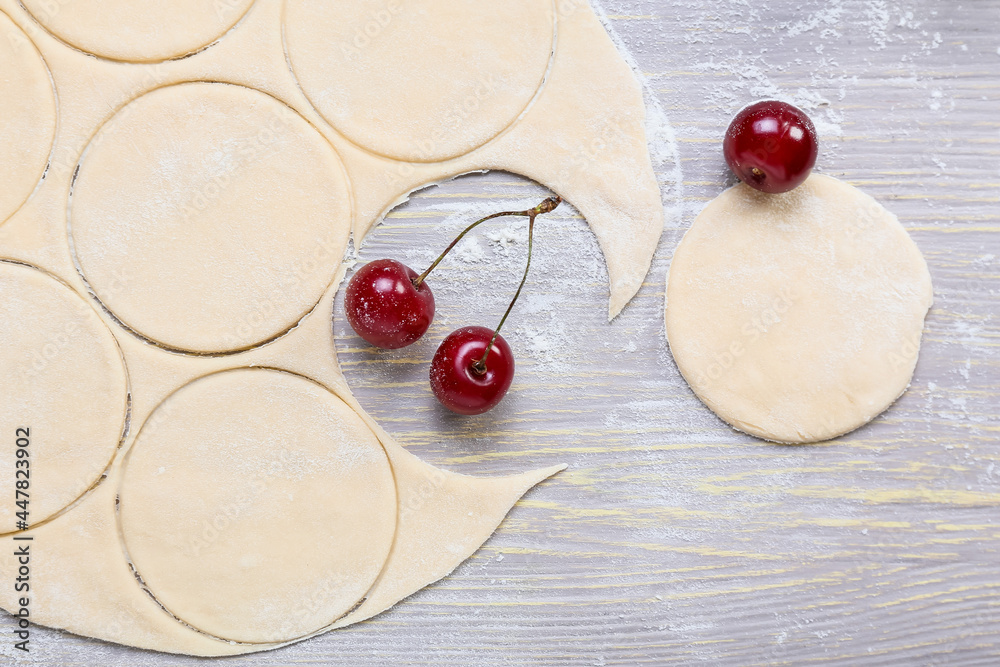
(672, 539)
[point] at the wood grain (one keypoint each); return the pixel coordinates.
(671, 539)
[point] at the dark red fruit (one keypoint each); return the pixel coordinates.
(385, 308)
(771, 146)
(459, 383)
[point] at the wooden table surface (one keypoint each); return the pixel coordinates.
(672, 539)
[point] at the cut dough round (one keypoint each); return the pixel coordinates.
(64, 382)
(209, 217)
(257, 506)
(27, 114)
(797, 317)
(419, 82)
(138, 31)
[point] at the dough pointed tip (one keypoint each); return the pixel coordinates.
(536, 476)
(615, 307)
(459, 511)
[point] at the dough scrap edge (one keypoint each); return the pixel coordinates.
(743, 427)
(583, 137)
(93, 591)
(460, 510)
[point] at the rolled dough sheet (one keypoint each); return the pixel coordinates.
(215, 190)
(458, 76)
(138, 31)
(28, 110)
(797, 317)
(56, 358)
(198, 207)
(140, 534)
(249, 491)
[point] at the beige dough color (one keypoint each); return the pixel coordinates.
(209, 217)
(138, 31)
(797, 317)
(419, 81)
(246, 492)
(27, 117)
(193, 221)
(56, 358)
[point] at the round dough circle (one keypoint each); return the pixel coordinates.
(64, 381)
(28, 115)
(209, 217)
(257, 506)
(138, 31)
(456, 76)
(797, 317)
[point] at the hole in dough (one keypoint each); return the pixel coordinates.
(209, 217)
(474, 283)
(257, 506)
(138, 31)
(420, 82)
(28, 114)
(797, 317)
(63, 379)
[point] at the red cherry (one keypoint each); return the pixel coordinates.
(771, 146)
(385, 308)
(455, 379)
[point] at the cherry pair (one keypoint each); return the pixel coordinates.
(390, 307)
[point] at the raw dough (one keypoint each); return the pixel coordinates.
(85, 585)
(138, 31)
(27, 117)
(212, 190)
(797, 317)
(63, 379)
(434, 79)
(192, 304)
(250, 490)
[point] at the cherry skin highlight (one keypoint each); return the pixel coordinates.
(771, 146)
(385, 308)
(455, 380)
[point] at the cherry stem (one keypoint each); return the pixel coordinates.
(545, 207)
(550, 204)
